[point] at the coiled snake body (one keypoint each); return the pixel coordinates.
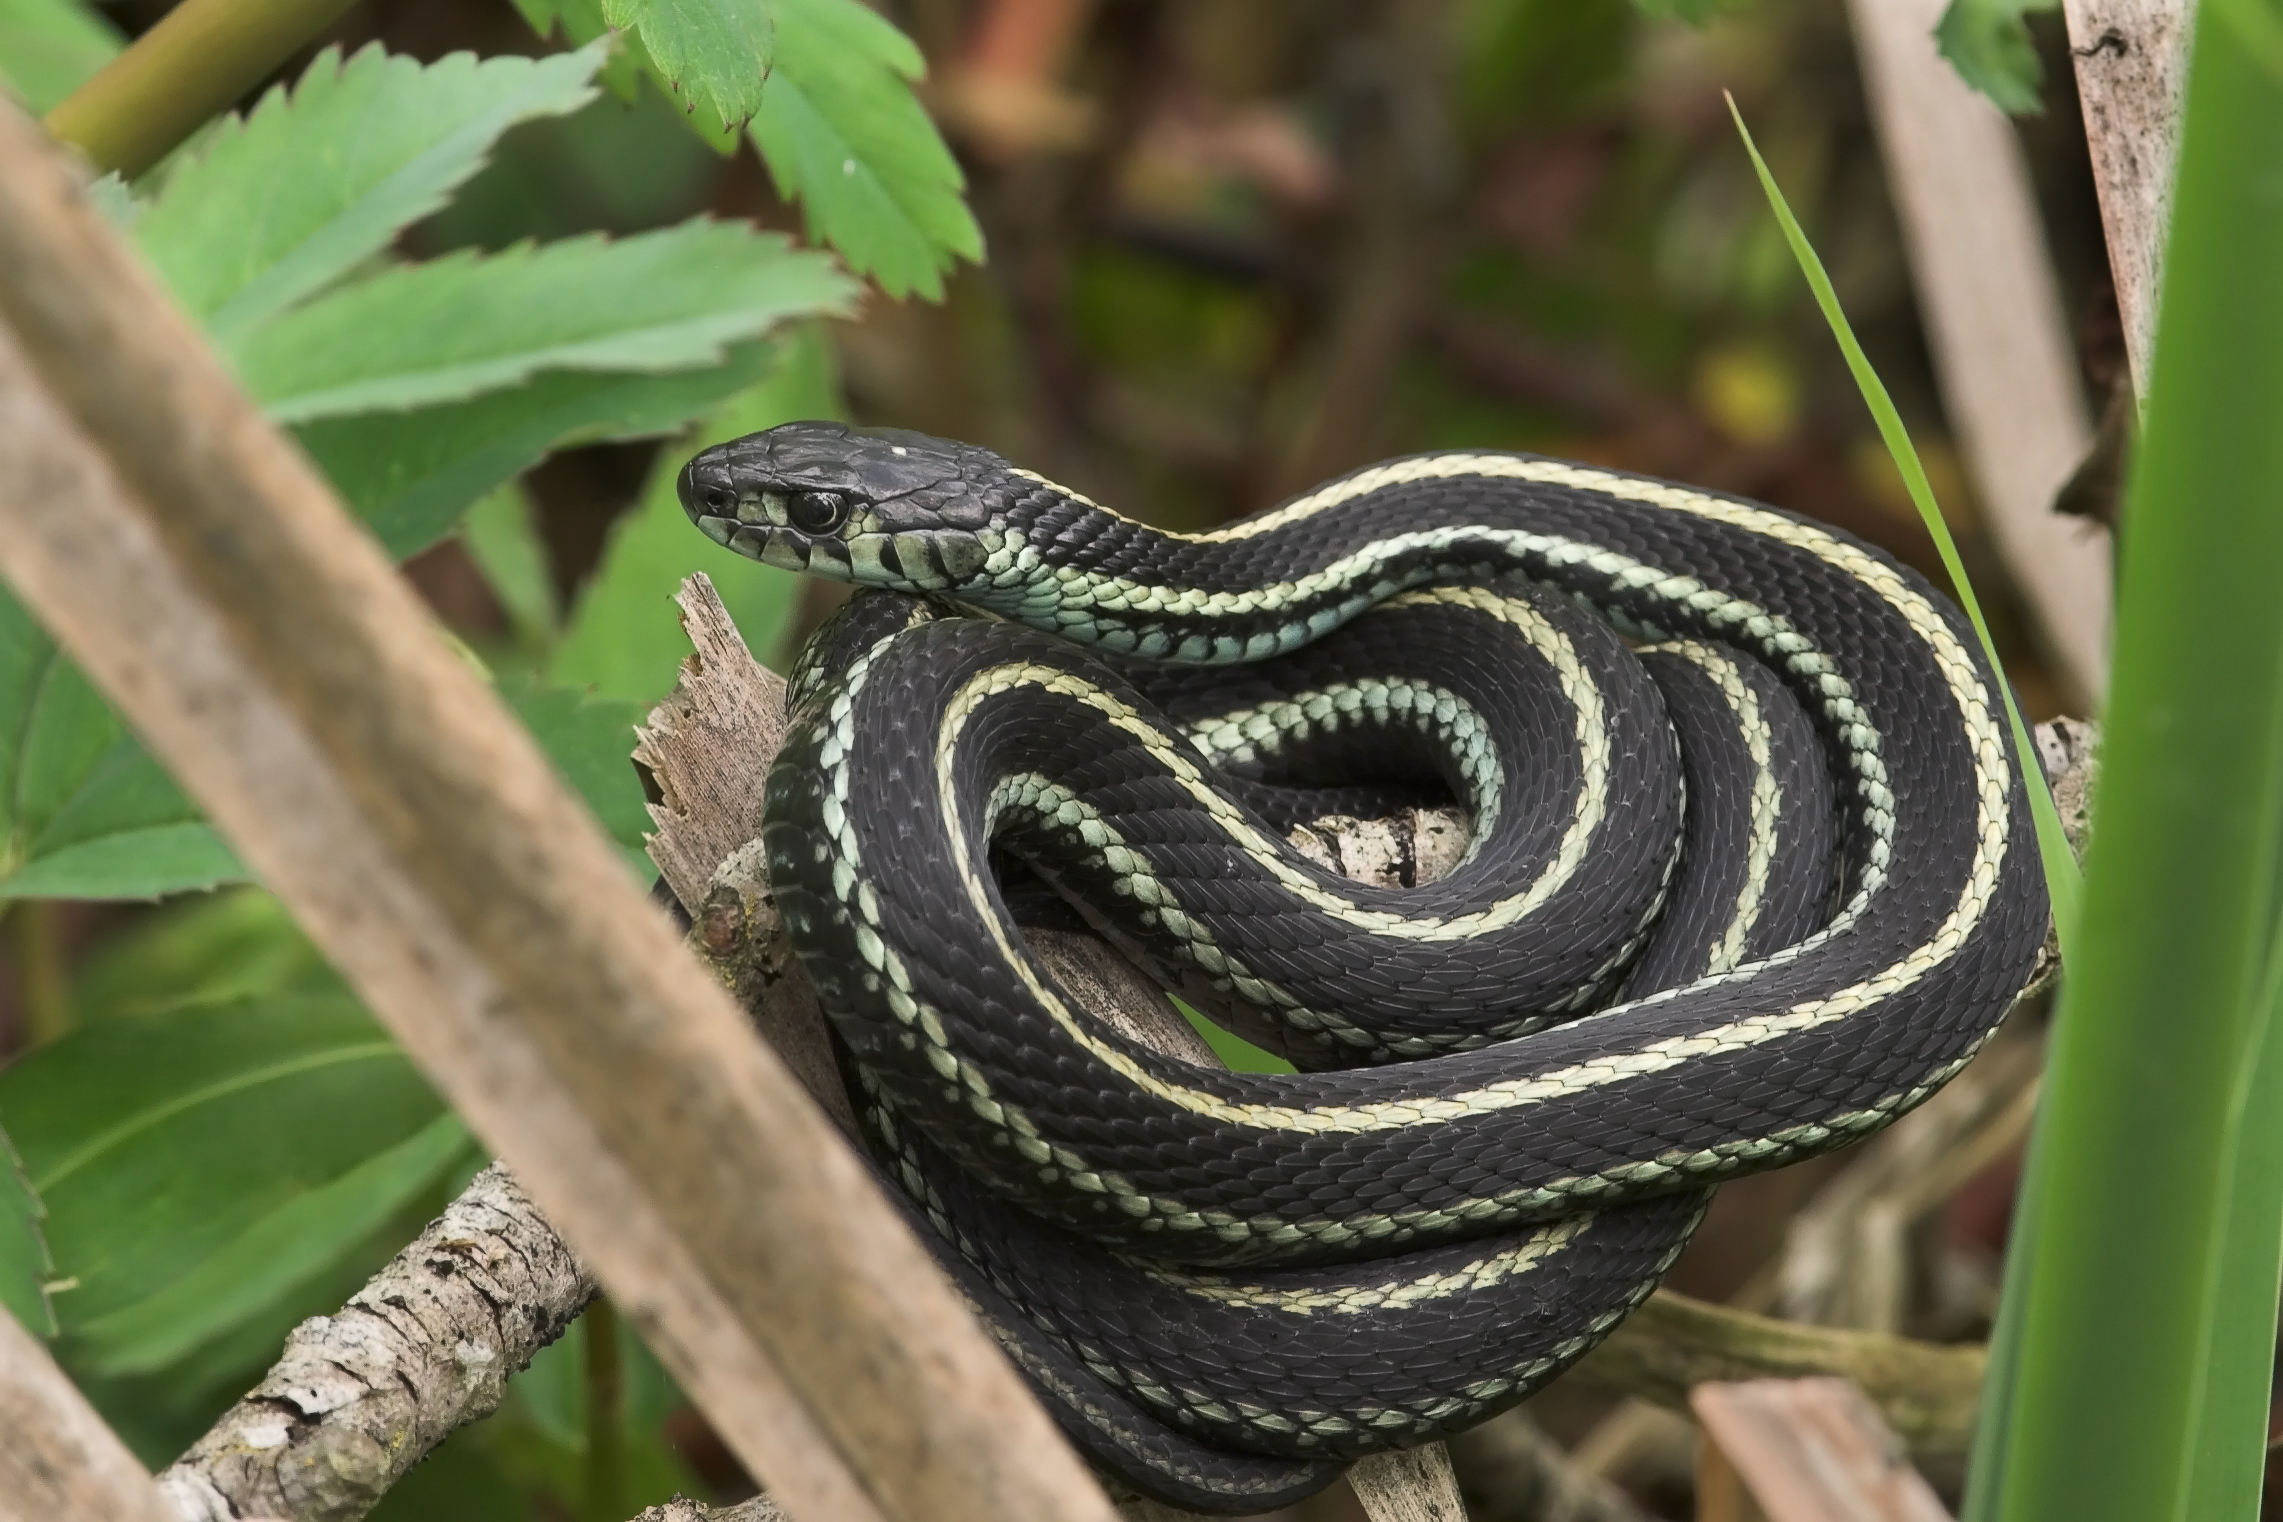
(1751, 873)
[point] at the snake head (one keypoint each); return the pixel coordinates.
(880, 507)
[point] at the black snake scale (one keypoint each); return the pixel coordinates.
(1751, 874)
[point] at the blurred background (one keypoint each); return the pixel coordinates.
(1236, 247)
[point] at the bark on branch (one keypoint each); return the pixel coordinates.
(424, 1348)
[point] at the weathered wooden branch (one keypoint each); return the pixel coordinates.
(57, 1458)
(1993, 320)
(2132, 77)
(424, 1348)
(209, 581)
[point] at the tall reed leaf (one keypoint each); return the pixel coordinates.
(2157, 1222)
(2062, 883)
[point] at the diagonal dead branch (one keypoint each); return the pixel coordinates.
(425, 1347)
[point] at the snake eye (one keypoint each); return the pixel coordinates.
(720, 501)
(818, 512)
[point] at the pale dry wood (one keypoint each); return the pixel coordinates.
(292, 682)
(2132, 77)
(1993, 318)
(361, 1396)
(1814, 1450)
(1409, 1485)
(759, 1509)
(57, 1458)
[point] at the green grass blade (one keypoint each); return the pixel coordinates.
(2063, 883)
(2149, 1319)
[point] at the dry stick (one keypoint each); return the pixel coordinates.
(424, 1348)
(2132, 76)
(57, 1458)
(208, 580)
(1993, 318)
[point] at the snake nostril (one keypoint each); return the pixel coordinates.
(720, 499)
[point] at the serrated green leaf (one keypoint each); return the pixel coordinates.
(581, 22)
(159, 1141)
(843, 134)
(25, 1266)
(277, 1253)
(202, 949)
(84, 811)
(48, 48)
(625, 639)
(712, 53)
(455, 327)
(410, 474)
(1989, 45)
(311, 185)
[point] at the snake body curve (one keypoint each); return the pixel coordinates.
(1751, 875)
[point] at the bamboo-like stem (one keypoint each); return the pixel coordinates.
(210, 583)
(200, 58)
(605, 1380)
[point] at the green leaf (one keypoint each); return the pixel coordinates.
(272, 1257)
(410, 474)
(1694, 12)
(591, 741)
(712, 53)
(1989, 45)
(581, 21)
(48, 48)
(451, 328)
(203, 949)
(84, 811)
(158, 1142)
(2064, 884)
(843, 134)
(25, 1266)
(500, 538)
(625, 639)
(311, 185)
(2148, 1316)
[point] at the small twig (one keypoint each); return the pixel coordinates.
(363, 1395)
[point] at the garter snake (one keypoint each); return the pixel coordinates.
(1751, 874)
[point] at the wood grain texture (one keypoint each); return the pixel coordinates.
(57, 1458)
(361, 1396)
(1811, 1450)
(2131, 59)
(1993, 317)
(293, 683)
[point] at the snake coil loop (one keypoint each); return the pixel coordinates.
(1750, 874)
